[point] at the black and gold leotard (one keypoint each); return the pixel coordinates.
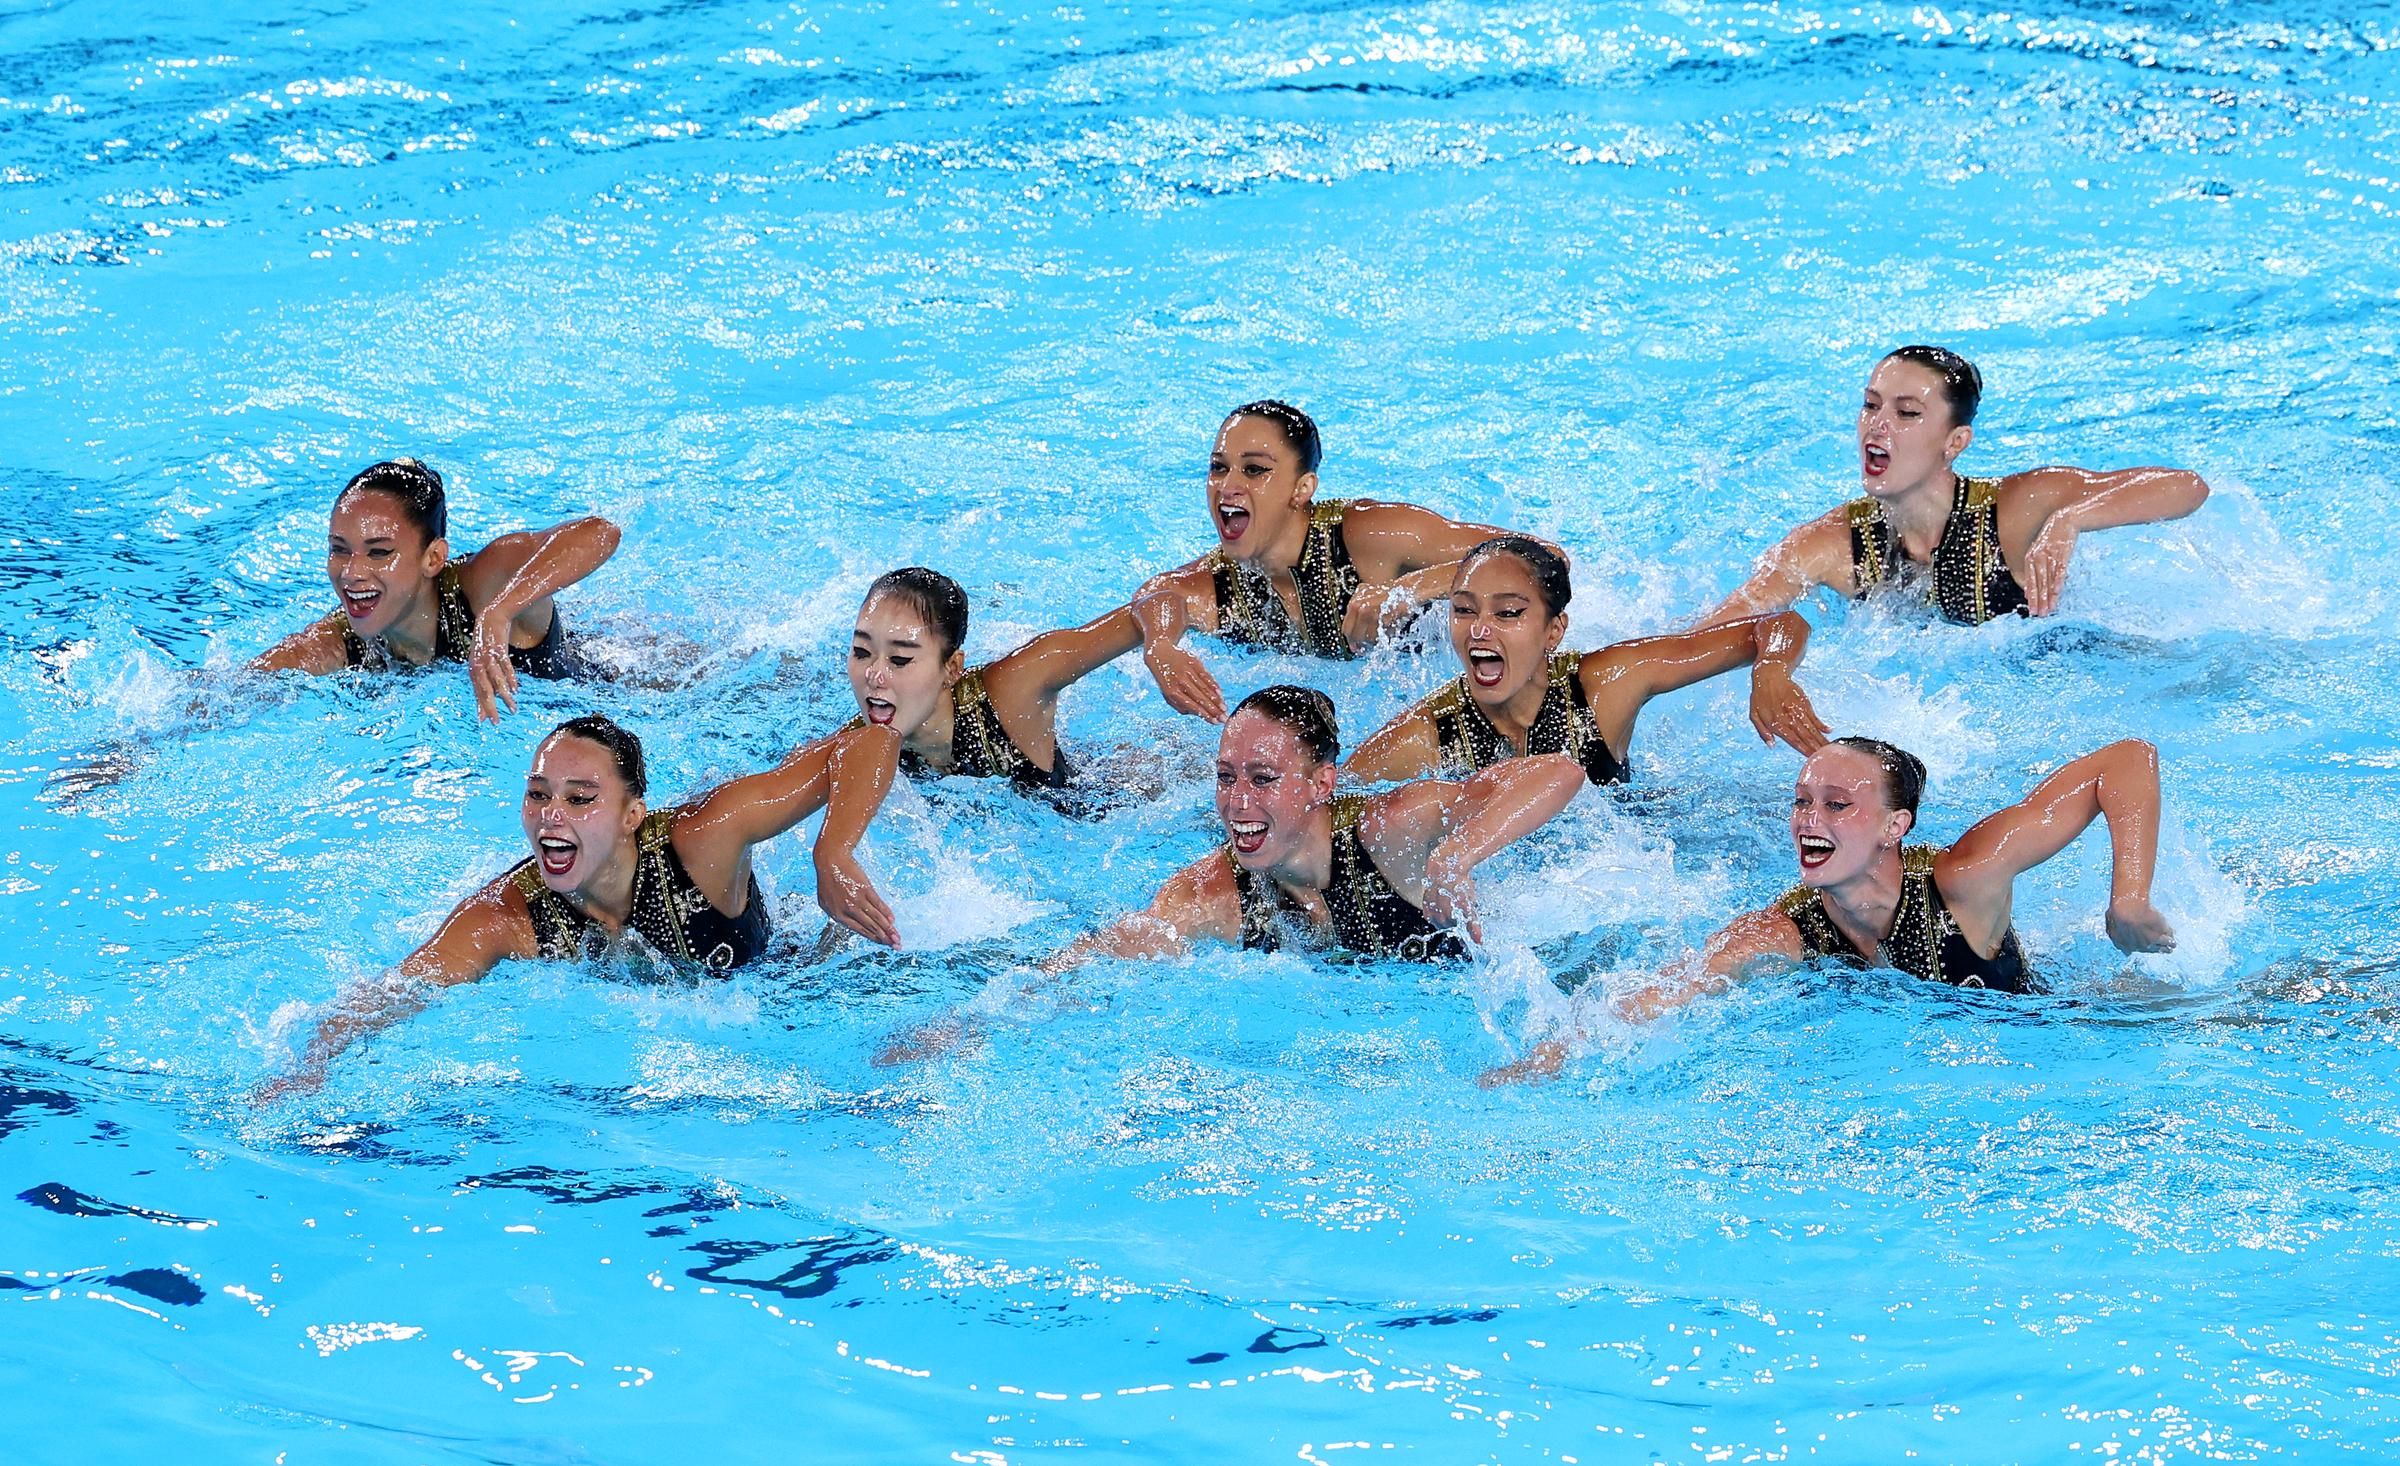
(670, 913)
(1369, 917)
(1469, 742)
(1971, 580)
(980, 747)
(1924, 940)
(1249, 611)
(552, 657)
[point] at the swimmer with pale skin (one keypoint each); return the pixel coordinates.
(909, 672)
(606, 865)
(1384, 875)
(1939, 913)
(1989, 546)
(404, 601)
(1520, 694)
(1289, 573)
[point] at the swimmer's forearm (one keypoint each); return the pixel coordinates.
(2129, 800)
(1161, 616)
(1509, 801)
(1778, 641)
(563, 556)
(1135, 937)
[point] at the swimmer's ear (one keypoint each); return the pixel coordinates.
(1958, 440)
(1558, 632)
(955, 666)
(436, 557)
(1322, 781)
(1304, 490)
(636, 811)
(1900, 822)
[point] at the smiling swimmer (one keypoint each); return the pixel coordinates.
(1935, 912)
(1520, 694)
(1989, 546)
(607, 871)
(1288, 573)
(405, 602)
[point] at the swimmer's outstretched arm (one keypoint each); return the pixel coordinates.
(2118, 783)
(1428, 837)
(486, 929)
(1747, 944)
(1196, 902)
(512, 580)
(846, 774)
(1025, 685)
(1164, 609)
(1621, 679)
(1407, 747)
(1817, 553)
(2045, 509)
(1407, 557)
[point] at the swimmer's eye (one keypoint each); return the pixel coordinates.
(580, 800)
(1910, 412)
(1510, 615)
(1261, 781)
(1224, 777)
(536, 796)
(1254, 470)
(860, 654)
(902, 661)
(1837, 804)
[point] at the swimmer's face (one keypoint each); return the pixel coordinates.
(1255, 485)
(1267, 787)
(378, 561)
(1500, 629)
(1905, 435)
(578, 814)
(898, 670)
(1840, 825)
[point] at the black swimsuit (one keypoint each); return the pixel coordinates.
(670, 913)
(1469, 742)
(1971, 580)
(980, 747)
(553, 657)
(1369, 917)
(1250, 613)
(1924, 940)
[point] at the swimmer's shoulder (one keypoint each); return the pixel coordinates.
(318, 648)
(491, 926)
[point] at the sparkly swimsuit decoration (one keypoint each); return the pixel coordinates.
(669, 912)
(1924, 940)
(454, 637)
(1369, 917)
(1469, 742)
(1971, 581)
(1250, 613)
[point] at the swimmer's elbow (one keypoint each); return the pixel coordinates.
(602, 532)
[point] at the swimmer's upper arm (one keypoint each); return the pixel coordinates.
(1188, 589)
(1404, 748)
(850, 770)
(1387, 540)
(2120, 780)
(1817, 553)
(1030, 678)
(486, 929)
(316, 649)
(1197, 901)
(1743, 946)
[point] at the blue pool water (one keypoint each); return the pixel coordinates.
(799, 292)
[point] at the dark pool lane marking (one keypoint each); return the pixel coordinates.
(59, 1197)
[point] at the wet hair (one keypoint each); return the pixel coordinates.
(423, 502)
(1548, 566)
(1307, 712)
(932, 595)
(1298, 428)
(1962, 385)
(622, 745)
(1903, 772)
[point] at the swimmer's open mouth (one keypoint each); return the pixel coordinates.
(1486, 666)
(1815, 850)
(1231, 522)
(558, 856)
(359, 603)
(1875, 460)
(879, 712)
(1248, 835)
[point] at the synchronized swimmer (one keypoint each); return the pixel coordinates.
(1482, 763)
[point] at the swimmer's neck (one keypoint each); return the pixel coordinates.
(1513, 719)
(935, 739)
(1919, 513)
(1864, 907)
(1310, 870)
(1281, 555)
(410, 638)
(608, 900)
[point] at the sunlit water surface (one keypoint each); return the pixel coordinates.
(796, 293)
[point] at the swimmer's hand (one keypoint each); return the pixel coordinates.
(1541, 1062)
(2136, 926)
(1450, 890)
(494, 675)
(950, 1034)
(1184, 681)
(307, 1079)
(846, 895)
(2045, 577)
(1779, 709)
(1376, 610)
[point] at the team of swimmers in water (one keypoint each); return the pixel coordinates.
(1375, 854)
